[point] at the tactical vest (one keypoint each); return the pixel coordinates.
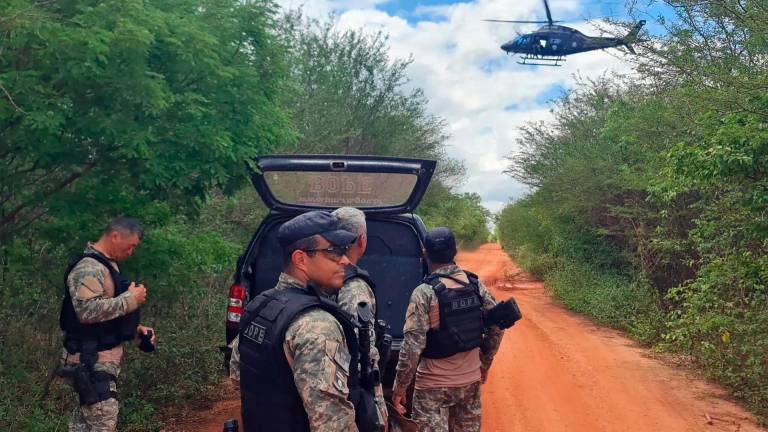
(352, 271)
(461, 317)
(107, 334)
(270, 400)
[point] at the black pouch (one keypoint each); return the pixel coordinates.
(504, 314)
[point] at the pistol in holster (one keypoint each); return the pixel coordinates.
(91, 386)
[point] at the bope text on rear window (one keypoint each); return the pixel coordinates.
(339, 189)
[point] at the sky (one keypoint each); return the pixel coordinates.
(483, 94)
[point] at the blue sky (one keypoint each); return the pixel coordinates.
(483, 95)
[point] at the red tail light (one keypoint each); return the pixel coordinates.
(236, 305)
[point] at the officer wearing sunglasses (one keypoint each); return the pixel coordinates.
(297, 349)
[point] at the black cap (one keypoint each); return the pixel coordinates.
(440, 245)
(312, 223)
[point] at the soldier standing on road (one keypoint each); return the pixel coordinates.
(296, 352)
(358, 285)
(445, 344)
(99, 313)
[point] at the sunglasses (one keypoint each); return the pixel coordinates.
(334, 252)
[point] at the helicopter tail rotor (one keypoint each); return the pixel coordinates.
(631, 37)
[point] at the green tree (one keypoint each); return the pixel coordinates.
(461, 212)
(114, 106)
(349, 97)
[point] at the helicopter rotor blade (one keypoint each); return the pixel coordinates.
(522, 22)
(549, 15)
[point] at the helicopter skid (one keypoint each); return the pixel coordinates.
(541, 60)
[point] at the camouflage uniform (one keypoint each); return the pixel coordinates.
(354, 291)
(317, 352)
(449, 408)
(92, 290)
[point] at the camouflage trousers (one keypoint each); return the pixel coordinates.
(454, 409)
(101, 416)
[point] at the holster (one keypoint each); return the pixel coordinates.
(91, 386)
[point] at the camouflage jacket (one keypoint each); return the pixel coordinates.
(354, 291)
(93, 298)
(317, 352)
(417, 324)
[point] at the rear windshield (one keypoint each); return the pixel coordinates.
(339, 189)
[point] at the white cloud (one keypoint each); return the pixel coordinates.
(484, 95)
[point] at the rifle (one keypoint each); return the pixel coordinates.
(383, 344)
(369, 373)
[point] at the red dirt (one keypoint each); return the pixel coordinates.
(557, 371)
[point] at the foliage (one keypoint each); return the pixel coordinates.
(350, 97)
(114, 106)
(667, 170)
(462, 213)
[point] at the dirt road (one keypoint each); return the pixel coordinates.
(558, 372)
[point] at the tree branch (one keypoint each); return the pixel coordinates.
(10, 99)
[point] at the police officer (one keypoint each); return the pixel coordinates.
(445, 344)
(99, 313)
(358, 285)
(297, 350)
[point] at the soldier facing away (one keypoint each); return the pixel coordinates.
(99, 313)
(445, 345)
(296, 352)
(358, 285)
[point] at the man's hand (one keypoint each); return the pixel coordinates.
(139, 292)
(141, 331)
(399, 401)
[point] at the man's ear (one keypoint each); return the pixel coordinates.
(362, 241)
(299, 260)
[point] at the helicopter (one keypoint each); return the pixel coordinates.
(549, 45)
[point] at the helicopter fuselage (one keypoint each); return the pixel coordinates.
(557, 41)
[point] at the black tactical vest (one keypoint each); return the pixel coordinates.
(461, 317)
(107, 334)
(270, 400)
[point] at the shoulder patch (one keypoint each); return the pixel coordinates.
(340, 382)
(339, 356)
